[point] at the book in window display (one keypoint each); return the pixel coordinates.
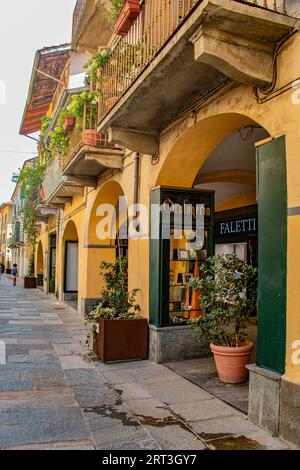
(184, 303)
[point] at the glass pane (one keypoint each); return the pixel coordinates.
(184, 304)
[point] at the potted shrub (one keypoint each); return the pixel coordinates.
(228, 296)
(84, 108)
(29, 282)
(127, 16)
(52, 284)
(30, 279)
(115, 326)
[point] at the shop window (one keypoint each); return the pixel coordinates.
(173, 260)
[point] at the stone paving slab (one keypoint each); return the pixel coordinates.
(54, 395)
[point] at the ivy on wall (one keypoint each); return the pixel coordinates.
(30, 180)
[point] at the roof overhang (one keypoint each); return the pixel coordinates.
(48, 67)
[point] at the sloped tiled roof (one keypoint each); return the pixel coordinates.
(51, 61)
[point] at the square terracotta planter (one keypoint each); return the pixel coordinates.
(121, 340)
(69, 123)
(91, 138)
(129, 13)
(30, 283)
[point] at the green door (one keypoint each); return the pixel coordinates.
(272, 254)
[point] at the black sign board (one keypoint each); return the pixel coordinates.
(236, 224)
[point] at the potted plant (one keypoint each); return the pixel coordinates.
(84, 107)
(52, 284)
(30, 279)
(127, 16)
(91, 138)
(228, 289)
(69, 123)
(115, 326)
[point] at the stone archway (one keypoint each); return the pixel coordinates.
(101, 246)
(70, 262)
(40, 265)
(179, 169)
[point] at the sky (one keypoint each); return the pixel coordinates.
(25, 27)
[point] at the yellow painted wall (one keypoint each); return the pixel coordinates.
(6, 212)
(184, 146)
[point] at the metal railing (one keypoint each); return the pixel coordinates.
(158, 20)
(77, 16)
(89, 123)
(102, 142)
(53, 179)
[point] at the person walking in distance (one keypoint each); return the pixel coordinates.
(1, 270)
(14, 274)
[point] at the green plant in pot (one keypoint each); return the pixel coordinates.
(228, 295)
(30, 279)
(115, 326)
(52, 284)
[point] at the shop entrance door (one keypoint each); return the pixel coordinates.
(52, 263)
(71, 267)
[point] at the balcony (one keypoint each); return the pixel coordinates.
(89, 159)
(90, 154)
(57, 190)
(91, 27)
(179, 51)
(17, 234)
(81, 167)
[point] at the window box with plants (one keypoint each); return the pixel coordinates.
(127, 16)
(115, 327)
(228, 288)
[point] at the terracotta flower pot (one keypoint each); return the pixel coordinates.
(91, 138)
(127, 16)
(69, 123)
(231, 362)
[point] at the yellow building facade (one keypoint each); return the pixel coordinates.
(212, 106)
(6, 212)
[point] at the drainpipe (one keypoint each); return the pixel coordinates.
(137, 166)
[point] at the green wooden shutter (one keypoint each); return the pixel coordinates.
(272, 254)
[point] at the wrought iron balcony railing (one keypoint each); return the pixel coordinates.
(52, 180)
(132, 53)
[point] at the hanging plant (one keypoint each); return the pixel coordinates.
(30, 180)
(46, 121)
(114, 10)
(59, 140)
(86, 99)
(97, 62)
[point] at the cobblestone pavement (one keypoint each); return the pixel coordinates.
(53, 395)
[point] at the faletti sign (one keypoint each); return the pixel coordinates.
(237, 227)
